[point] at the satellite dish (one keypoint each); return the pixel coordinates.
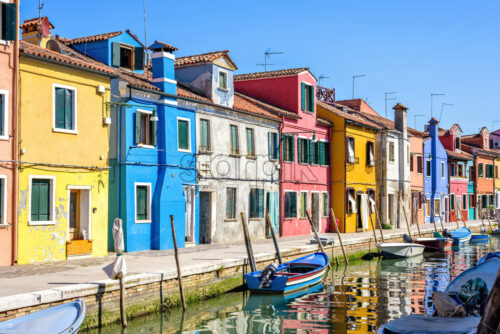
(53, 45)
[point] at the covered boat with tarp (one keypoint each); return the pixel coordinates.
(462, 302)
(460, 236)
(298, 274)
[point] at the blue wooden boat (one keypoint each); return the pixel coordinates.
(294, 275)
(62, 319)
(460, 236)
(480, 238)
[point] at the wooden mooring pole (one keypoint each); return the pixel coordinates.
(315, 232)
(176, 252)
(379, 224)
(248, 243)
(123, 314)
(334, 221)
(407, 223)
(489, 221)
(275, 241)
(441, 221)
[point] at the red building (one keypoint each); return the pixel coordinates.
(458, 167)
(304, 157)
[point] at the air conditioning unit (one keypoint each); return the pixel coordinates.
(101, 89)
(107, 120)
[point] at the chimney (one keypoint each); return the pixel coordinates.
(162, 61)
(37, 31)
(485, 136)
(400, 118)
(433, 128)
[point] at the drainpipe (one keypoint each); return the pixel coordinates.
(281, 194)
(15, 137)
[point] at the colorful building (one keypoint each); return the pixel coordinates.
(305, 138)
(417, 177)
(495, 145)
(484, 168)
(63, 181)
(352, 163)
(152, 142)
(237, 147)
(8, 133)
(436, 181)
(392, 161)
(458, 168)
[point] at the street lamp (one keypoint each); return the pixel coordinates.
(154, 116)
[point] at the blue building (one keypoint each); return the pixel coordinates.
(435, 176)
(152, 144)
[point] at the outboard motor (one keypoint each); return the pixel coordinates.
(483, 230)
(267, 275)
(446, 233)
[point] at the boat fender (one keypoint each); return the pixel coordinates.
(267, 275)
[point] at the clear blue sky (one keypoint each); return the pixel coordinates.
(414, 48)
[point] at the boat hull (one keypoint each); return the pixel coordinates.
(289, 283)
(394, 250)
(461, 236)
(434, 244)
(61, 319)
(479, 238)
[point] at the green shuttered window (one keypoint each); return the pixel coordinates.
(205, 135)
(307, 97)
(290, 204)
(235, 146)
(452, 202)
(8, 21)
(480, 171)
(142, 202)
(288, 148)
(64, 108)
(250, 142)
(183, 134)
(40, 200)
(303, 204)
(256, 203)
(230, 203)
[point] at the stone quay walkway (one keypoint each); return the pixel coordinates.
(32, 284)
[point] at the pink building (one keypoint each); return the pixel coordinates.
(304, 157)
(8, 62)
(459, 163)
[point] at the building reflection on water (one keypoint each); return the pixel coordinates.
(356, 299)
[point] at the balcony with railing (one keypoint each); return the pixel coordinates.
(325, 94)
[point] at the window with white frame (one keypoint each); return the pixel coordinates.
(7, 20)
(273, 145)
(42, 200)
(290, 204)
(3, 199)
(4, 122)
(230, 203)
(303, 204)
(183, 135)
(145, 128)
(428, 168)
(351, 200)
(142, 202)
(350, 150)
(205, 143)
(391, 152)
(64, 108)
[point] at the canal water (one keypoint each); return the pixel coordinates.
(354, 299)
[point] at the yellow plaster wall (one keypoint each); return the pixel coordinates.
(89, 147)
(43, 243)
(343, 175)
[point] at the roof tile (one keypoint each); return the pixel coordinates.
(94, 38)
(270, 74)
(203, 58)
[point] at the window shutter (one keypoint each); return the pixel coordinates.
(327, 154)
(260, 203)
(321, 158)
(115, 54)
(299, 149)
(35, 190)
(154, 133)
(283, 145)
(303, 96)
(9, 18)
(292, 148)
(293, 204)
(252, 203)
(141, 203)
(275, 146)
(2, 102)
(310, 158)
(68, 109)
(182, 128)
(40, 201)
(311, 98)
(139, 58)
(60, 109)
(137, 127)
(270, 145)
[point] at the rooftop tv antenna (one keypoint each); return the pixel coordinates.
(388, 99)
(145, 41)
(267, 56)
(40, 6)
(442, 107)
(321, 76)
(354, 77)
(432, 96)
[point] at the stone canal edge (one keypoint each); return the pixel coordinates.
(156, 291)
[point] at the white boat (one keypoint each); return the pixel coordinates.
(392, 250)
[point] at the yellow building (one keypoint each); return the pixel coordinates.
(352, 165)
(64, 145)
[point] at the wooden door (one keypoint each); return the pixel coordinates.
(205, 217)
